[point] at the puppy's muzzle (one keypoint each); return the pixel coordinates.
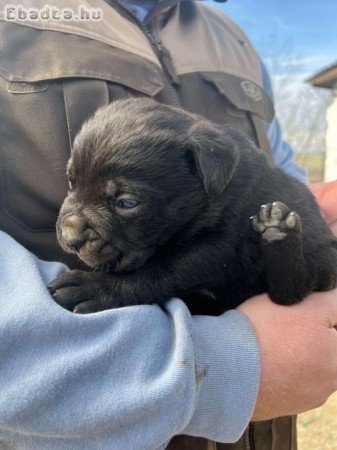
(76, 236)
(72, 229)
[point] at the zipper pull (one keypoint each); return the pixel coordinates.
(154, 41)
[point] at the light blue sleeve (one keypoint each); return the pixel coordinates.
(283, 154)
(129, 378)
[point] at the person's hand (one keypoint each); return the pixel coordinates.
(298, 347)
(326, 197)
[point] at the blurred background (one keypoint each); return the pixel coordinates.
(297, 40)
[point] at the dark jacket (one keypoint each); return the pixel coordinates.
(54, 74)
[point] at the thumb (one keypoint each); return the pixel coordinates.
(326, 197)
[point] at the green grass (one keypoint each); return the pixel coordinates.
(314, 163)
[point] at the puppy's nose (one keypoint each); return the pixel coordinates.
(74, 243)
(72, 228)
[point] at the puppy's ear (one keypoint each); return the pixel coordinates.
(215, 151)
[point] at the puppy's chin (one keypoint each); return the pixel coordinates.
(106, 257)
(115, 261)
(132, 261)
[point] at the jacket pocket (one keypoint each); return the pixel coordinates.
(246, 105)
(227, 99)
(243, 95)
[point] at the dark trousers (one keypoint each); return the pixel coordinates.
(276, 434)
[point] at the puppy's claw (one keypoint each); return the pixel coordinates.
(276, 212)
(87, 307)
(264, 212)
(258, 226)
(291, 220)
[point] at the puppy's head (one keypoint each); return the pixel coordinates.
(141, 173)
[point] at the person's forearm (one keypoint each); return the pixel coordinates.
(126, 378)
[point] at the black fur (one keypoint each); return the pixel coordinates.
(191, 188)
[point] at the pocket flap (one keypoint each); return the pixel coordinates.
(244, 94)
(31, 55)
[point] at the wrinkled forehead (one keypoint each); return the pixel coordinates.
(142, 164)
(115, 187)
(91, 183)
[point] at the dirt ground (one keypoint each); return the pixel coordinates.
(317, 429)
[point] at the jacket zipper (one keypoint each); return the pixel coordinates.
(156, 45)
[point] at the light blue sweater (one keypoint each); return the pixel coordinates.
(122, 379)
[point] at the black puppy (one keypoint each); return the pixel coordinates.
(160, 205)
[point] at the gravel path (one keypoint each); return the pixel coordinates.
(317, 429)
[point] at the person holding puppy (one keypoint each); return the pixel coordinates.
(136, 377)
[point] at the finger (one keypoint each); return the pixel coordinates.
(333, 227)
(326, 196)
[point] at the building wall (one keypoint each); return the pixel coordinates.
(330, 172)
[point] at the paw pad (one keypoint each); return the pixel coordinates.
(275, 221)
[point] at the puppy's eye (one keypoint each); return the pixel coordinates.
(127, 203)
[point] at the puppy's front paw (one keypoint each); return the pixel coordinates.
(80, 292)
(275, 221)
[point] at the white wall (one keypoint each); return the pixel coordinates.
(330, 172)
